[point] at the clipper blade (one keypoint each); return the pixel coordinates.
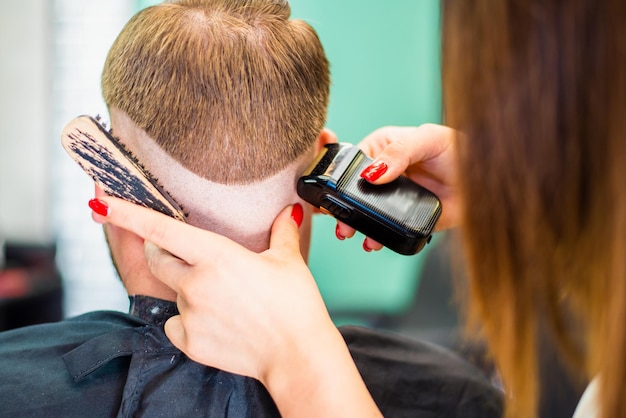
(114, 168)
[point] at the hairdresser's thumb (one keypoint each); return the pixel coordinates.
(285, 236)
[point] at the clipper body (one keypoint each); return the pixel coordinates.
(400, 215)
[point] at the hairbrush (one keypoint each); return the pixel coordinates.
(113, 168)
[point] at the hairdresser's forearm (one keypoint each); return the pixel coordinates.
(320, 379)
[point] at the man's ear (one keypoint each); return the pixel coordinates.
(325, 137)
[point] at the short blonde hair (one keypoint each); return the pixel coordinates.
(232, 89)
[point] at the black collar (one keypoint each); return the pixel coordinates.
(153, 310)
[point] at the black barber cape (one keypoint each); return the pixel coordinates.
(108, 364)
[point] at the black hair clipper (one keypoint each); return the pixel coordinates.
(114, 168)
(400, 215)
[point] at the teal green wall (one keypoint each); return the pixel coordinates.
(385, 71)
(384, 59)
(145, 3)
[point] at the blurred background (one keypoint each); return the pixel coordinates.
(54, 263)
(385, 71)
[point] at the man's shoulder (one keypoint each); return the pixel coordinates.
(64, 333)
(35, 377)
(409, 377)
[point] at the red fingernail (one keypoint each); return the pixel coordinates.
(99, 207)
(366, 248)
(297, 214)
(374, 171)
(338, 234)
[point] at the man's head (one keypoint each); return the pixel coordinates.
(225, 103)
(231, 89)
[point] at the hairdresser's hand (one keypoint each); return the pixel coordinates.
(258, 315)
(426, 154)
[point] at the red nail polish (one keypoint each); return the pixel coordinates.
(366, 248)
(338, 234)
(374, 171)
(99, 207)
(297, 214)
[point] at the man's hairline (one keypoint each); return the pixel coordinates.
(266, 197)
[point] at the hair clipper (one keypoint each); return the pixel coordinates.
(400, 215)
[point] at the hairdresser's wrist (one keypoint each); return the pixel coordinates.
(317, 377)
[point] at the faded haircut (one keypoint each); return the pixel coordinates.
(232, 89)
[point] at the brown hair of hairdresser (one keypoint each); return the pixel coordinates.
(227, 77)
(539, 90)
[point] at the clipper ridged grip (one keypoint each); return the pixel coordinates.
(413, 208)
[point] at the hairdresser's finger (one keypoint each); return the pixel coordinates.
(175, 332)
(285, 236)
(376, 142)
(186, 242)
(396, 148)
(370, 245)
(200, 350)
(343, 231)
(164, 265)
